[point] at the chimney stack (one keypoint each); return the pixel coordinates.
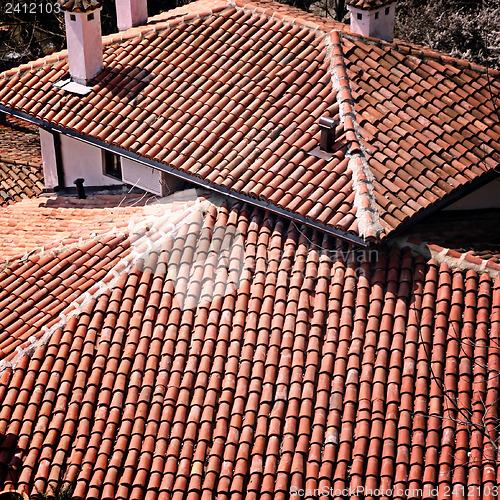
(83, 38)
(372, 18)
(130, 13)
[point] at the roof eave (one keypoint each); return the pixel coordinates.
(349, 238)
(451, 198)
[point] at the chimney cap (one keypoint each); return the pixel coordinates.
(80, 5)
(369, 4)
(326, 122)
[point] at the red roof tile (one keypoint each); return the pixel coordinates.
(50, 222)
(369, 4)
(80, 5)
(19, 143)
(18, 181)
(244, 356)
(231, 95)
(464, 240)
(21, 174)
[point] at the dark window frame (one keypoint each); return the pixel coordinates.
(113, 165)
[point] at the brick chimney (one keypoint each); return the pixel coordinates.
(131, 13)
(83, 38)
(373, 18)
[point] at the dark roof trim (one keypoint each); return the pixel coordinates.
(194, 180)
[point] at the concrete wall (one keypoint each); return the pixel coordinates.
(84, 41)
(485, 197)
(83, 160)
(48, 159)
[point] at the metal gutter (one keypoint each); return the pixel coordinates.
(193, 180)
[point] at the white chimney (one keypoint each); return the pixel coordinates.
(131, 13)
(83, 38)
(373, 18)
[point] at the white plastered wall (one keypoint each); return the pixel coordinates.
(84, 42)
(486, 197)
(149, 178)
(131, 13)
(49, 159)
(82, 160)
(374, 23)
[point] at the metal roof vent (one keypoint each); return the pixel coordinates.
(330, 131)
(328, 136)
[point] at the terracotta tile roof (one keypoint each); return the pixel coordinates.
(52, 222)
(18, 182)
(188, 369)
(21, 174)
(466, 240)
(19, 143)
(231, 95)
(369, 4)
(80, 5)
(426, 124)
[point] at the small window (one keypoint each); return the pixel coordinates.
(72, 17)
(376, 15)
(90, 17)
(112, 165)
(387, 10)
(360, 16)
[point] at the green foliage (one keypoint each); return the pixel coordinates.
(463, 28)
(60, 493)
(333, 9)
(467, 29)
(11, 495)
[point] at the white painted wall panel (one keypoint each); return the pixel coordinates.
(48, 159)
(83, 160)
(487, 196)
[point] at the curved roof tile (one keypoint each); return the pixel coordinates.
(369, 4)
(80, 5)
(231, 95)
(243, 355)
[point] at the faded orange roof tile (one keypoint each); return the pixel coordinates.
(422, 124)
(218, 350)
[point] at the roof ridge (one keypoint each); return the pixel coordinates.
(169, 18)
(463, 261)
(137, 251)
(281, 12)
(367, 213)
(61, 242)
